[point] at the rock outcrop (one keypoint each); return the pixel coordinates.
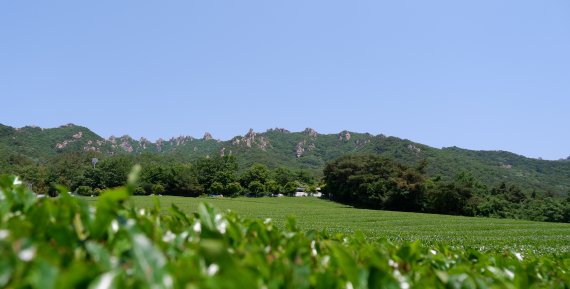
(126, 143)
(414, 149)
(251, 139)
(178, 141)
(506, 166)
(344, 134)
(207, 136)
(277, 129)
(63, 144)
(159, 144)
(311, 132)
(143, 142)
(300, 149)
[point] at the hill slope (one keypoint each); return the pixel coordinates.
(307, 150)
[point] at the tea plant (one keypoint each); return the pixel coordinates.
(66, 242)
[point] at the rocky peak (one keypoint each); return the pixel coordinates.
(207, 136)
(311, 132)
(159, 144)
(250, 134)
(177, 141)
(126, 144)
(143, 142)
(249, 140)
(344, 134)
(277, 129)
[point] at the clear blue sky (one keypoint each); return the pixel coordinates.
(485, 74)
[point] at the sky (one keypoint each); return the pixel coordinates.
(483, 75)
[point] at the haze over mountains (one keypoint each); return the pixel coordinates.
(307, 150)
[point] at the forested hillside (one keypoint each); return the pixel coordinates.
(308, 151)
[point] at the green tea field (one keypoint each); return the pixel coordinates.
(316, 214)
(119, 241)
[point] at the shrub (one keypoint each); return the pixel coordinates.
(157, 189)
(84, 190)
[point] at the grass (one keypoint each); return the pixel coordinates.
(316, 214)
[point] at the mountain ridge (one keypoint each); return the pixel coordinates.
(208, 136)
(307, 149)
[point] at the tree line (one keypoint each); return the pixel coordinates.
(162, 175)
(378, 182)
(363, 180)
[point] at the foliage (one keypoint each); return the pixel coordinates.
(371, 181)
(34, 148)
(318, 214)
(65, 243)
(256, 187)
(84, 190)
(376, 182)
(222, 170)
(233, 189)
(257, 172)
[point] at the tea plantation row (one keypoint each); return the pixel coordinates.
(316, 214)
(68, 242)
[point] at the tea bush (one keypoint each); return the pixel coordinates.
(66, 242)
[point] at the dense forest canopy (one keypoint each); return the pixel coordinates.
(33, 150)
(373, 181)
(360, 169)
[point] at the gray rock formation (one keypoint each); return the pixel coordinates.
(159, 144)
(414, 149)
(300, 149)
(311, 132)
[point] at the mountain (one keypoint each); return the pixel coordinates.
(306, 150)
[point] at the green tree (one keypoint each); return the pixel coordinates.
(257, 172)
(216, 188)
(256, 187)
(67, 169)
(375, 182)
(453, 197)
(114, 171)
(290, 188)
(158, 189)
(283, 175)
(217, 169)
(272, 187)
(233, 189)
